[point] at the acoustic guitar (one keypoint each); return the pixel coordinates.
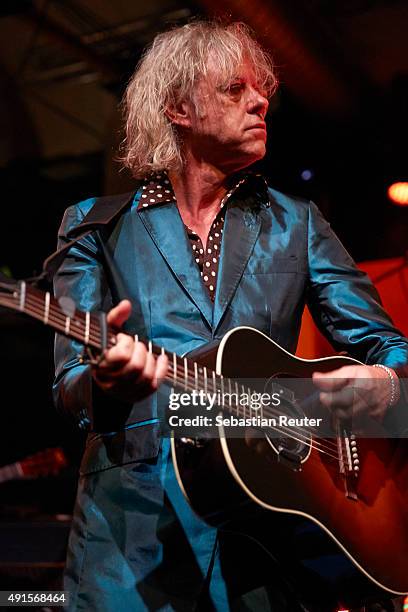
(48, 462)
(353, 489)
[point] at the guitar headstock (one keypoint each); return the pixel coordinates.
(60, 314)
(44, 463)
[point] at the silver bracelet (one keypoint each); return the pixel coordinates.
(395, 388)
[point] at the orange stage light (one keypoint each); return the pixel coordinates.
(398, 193)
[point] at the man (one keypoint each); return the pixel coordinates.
(202, 247)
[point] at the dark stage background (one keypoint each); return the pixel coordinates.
(337, 134)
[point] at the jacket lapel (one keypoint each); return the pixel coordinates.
(166, 229)
(241, 230)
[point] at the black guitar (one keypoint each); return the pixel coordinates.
(354, 490)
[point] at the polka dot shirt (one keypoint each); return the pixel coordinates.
(157, 189)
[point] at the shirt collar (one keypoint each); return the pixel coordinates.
(157, 189)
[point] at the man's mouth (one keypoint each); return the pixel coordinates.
(257, 126)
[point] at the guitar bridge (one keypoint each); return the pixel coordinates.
(349, 463)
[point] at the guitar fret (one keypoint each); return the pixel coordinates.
(150, 347)
(237, 394)
(67, 325)
(175, 369)
(196, 374)
(214, 382)
(23, 288)
(185, 373)
(205, 382)
(47, 298)
(87, 326)
(222, 390)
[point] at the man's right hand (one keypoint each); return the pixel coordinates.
(128, 371)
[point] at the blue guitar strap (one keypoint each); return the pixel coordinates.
(102, 216)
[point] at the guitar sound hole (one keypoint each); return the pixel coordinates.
(290, 438)
(284, 428)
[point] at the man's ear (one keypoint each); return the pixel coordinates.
(180, 113)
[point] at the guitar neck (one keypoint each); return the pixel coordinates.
(183, 374)
(87, 328)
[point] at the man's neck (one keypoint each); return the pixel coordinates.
(199, 189)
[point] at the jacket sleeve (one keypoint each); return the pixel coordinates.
(344, 303)
(347, 309)
(81, 277)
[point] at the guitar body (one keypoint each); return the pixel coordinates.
(243, 482)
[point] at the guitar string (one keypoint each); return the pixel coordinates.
(283, 430)
(310, 443)
(59, 318)
(95, 335)
(54, 312)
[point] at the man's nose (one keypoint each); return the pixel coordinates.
(258, 103)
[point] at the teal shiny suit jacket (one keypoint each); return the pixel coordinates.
(278, 253)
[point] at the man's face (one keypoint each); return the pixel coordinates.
(226, 123)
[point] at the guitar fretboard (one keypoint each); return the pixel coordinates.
(87, 328)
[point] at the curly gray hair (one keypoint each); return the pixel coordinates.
(166, 75)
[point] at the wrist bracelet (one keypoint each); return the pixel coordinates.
(395, 388)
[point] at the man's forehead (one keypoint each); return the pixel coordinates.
(218, 73)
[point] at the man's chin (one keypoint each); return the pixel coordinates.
(256, 153)
(239, 159)
(242, 164)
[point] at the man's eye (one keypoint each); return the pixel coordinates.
(236, 88)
